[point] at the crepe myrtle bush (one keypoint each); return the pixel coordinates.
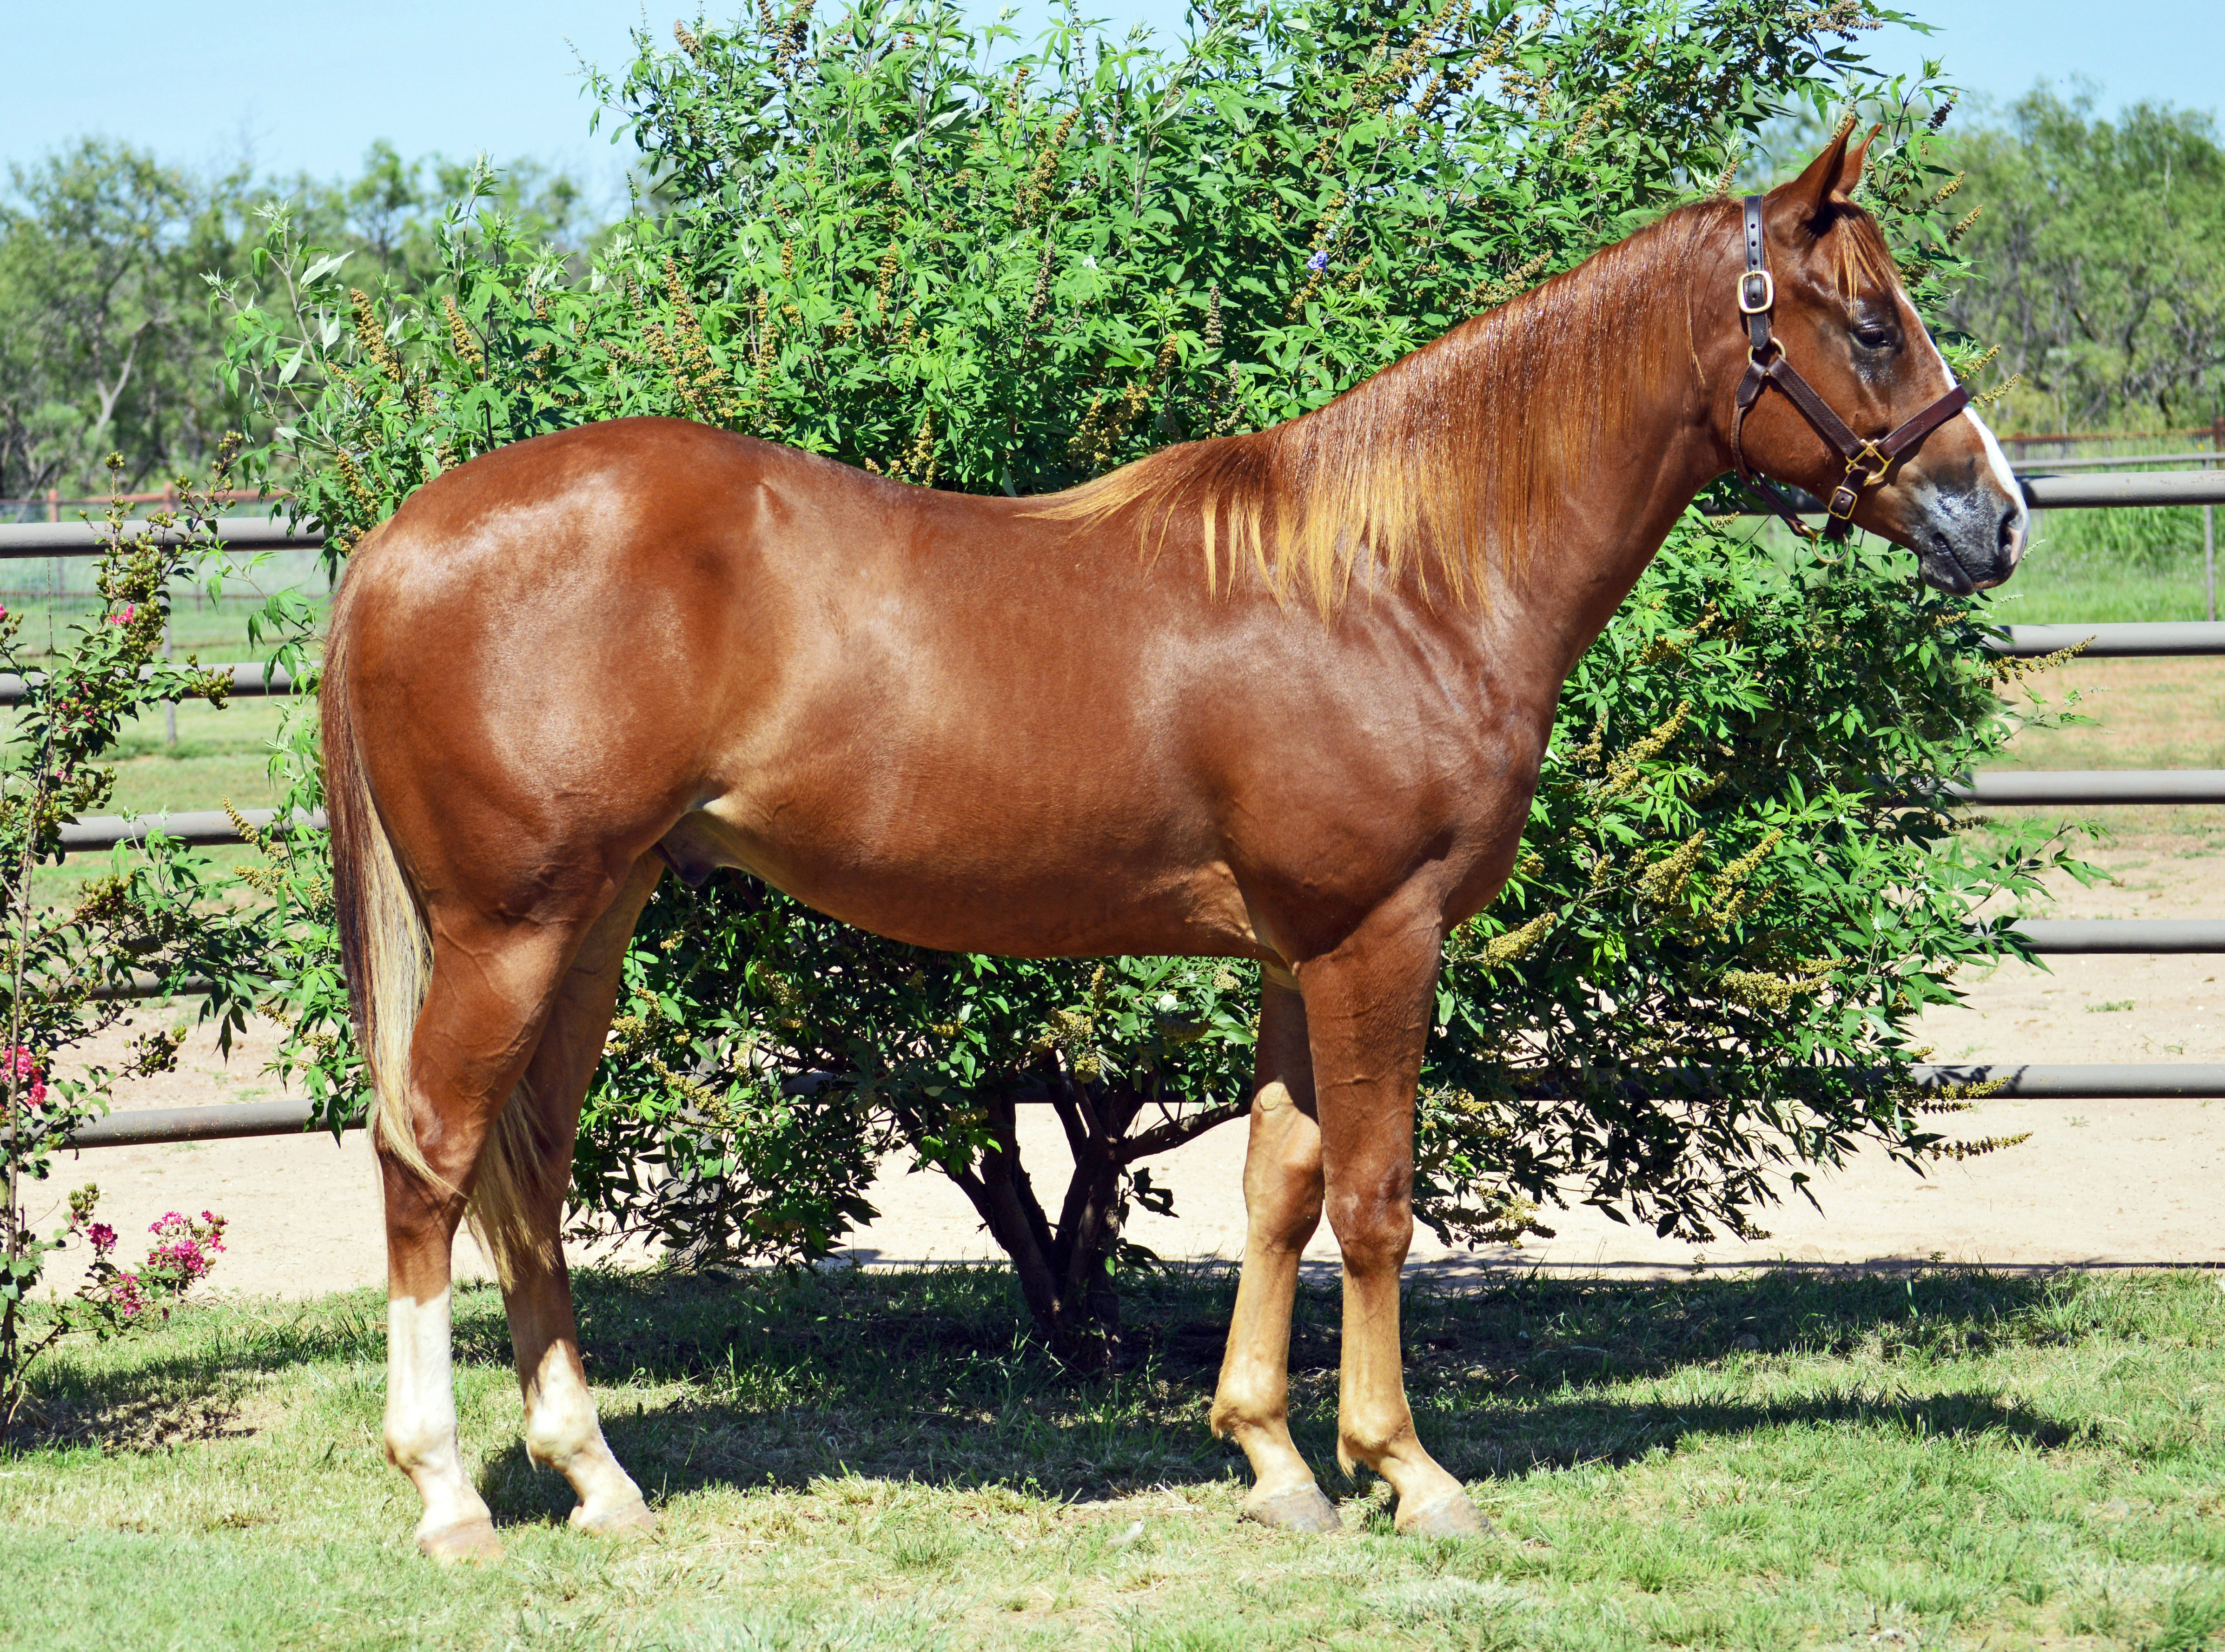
(155, 908)
(880, 235)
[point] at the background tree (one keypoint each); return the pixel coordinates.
(108, 339)
(2102, 245)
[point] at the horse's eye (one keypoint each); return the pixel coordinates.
(1875, 335)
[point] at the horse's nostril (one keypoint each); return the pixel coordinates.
(2010, 533)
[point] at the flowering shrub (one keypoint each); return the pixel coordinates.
(155, 909)
(877, 239)
(21, 1066)
(184, 1252)
(111, 1301)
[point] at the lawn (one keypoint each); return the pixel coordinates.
(1953, 1459)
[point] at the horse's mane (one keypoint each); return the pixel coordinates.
(1445, 463)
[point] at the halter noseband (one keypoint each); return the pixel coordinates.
(1868, 461)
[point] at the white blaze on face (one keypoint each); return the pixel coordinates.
(2021, 530)
(421, 1411)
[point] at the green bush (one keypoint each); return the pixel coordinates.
(879, 240)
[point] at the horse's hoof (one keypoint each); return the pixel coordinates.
(626, 1520)
(468, 1540)
(1302, 1509)
(1450, 1516)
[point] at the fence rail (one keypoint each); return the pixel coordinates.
(2043, 491)
(2069, 1081)
(2109, 490)
(90, 538)
(2118, 640)
(202, 826)
(2115, 462)
(2072, 787)
(2151, 936)
(247, 678)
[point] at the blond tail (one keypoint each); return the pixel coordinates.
(386, 951)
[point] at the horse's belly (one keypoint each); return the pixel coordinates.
(976, 884)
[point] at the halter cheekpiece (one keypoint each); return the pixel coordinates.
(1867, 459)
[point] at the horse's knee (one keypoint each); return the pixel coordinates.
(1374, 1226)
(1283, 1207)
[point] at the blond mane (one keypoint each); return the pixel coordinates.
(1450, 462)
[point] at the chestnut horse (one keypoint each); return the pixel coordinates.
(1280, 696)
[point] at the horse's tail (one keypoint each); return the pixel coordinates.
(386, 950)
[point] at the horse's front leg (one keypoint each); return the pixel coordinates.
(1282, 1206)
(1367, 1017)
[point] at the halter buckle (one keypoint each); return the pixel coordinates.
(1757, 292)
(1844, 498)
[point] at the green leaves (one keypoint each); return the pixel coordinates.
(1735, 903)
(155, 909)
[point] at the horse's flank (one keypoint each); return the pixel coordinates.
(1442, 469)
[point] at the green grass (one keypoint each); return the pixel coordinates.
(1951, 1460)
(2100, 566)
(2034, 599)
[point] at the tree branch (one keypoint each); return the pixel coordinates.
(1160, 1138)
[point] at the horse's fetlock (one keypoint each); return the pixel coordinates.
(1369, 1437)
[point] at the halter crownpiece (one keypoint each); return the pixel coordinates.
(1867, 459)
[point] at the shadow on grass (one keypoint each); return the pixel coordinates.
(928, 1374)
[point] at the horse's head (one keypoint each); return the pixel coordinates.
(1890, 446)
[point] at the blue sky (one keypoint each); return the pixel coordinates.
(307, 85)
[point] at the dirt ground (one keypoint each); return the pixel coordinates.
(2124, 1183)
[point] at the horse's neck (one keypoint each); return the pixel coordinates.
(1643, 448)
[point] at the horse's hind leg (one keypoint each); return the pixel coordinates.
(534, 1161)
(1282, 1206)
(487, 997)
(492, 984)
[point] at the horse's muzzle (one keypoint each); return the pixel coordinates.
(1967, 534)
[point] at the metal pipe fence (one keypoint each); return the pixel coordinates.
(2065, 1081)
(2042, 490)
(248, 678)
(2121, 1081)
(90, 538)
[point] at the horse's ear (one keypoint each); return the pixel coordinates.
(1827, 189)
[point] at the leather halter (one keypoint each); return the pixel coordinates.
(1867, 459)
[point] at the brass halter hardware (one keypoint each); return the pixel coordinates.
(1867, 459)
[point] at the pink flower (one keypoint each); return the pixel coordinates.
(20, 1066)
(103, 1237)
(123, 616)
